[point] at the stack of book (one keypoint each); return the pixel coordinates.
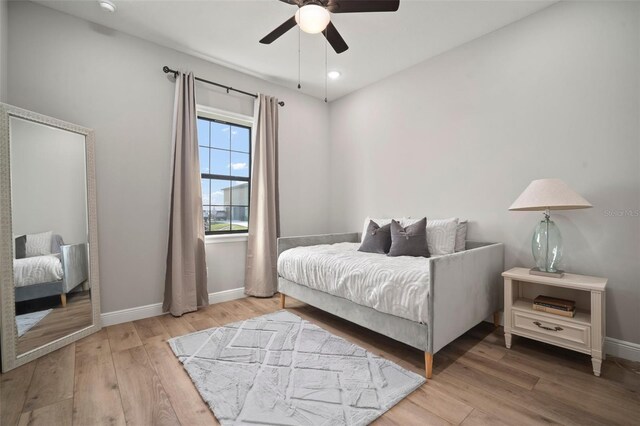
(553, 305)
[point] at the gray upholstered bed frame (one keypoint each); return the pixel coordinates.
(465, 289)
(75, 271)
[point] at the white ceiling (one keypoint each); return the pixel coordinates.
(380, 44)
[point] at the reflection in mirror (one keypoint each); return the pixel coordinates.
(49, 219)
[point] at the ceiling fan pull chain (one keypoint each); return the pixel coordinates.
(299, 58)
(326, 68)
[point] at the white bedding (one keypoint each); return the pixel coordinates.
(394, 285)
(36, 270)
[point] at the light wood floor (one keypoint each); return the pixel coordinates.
(127, 374)
(61, 322)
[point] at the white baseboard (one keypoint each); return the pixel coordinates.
(622, 349)
(154, 310)
(131, 314)
(226, 295)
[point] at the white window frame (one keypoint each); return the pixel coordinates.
(233, 118)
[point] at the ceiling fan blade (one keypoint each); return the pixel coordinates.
(296, 2)
(334, 38)
(354, 6)
(283, 28)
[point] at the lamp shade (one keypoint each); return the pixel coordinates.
(552, 194)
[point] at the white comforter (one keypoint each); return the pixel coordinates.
(36, 270)
(394, 285)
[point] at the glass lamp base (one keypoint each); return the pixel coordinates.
(546, 246)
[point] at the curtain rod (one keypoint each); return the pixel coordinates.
(168, 70)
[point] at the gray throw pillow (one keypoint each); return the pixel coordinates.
(409, 241)
(376, 239)
(21, 247)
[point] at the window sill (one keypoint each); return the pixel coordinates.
(225, 238)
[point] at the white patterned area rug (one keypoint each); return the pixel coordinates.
(279, 369)
(26, 322)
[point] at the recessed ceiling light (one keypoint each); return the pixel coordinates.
(107, 5)
(333, 75)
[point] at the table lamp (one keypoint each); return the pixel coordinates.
(546, 245)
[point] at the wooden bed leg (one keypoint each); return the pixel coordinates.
(496, 318)
(428, 364)
(63, 299)
(282, 299)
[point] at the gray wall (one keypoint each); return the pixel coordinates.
(4, 37)
(553, 95)
(106, 80)
(48, 189)
(556, 94)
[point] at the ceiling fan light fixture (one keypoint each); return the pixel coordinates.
(312, 18)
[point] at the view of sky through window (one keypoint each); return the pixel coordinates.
(225, 164)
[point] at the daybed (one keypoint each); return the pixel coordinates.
(451, 293)
(49, 275)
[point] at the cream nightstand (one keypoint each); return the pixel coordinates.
(583, 333)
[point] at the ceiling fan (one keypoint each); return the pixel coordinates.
(314, 16)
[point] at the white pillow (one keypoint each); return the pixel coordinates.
(38, 244)
(461, 235)
(380, 222)
(441, 234)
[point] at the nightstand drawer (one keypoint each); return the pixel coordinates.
(551, 330)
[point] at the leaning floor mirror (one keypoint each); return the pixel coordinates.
(48, 235)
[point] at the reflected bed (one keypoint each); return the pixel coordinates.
(50, 275)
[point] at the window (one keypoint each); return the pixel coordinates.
(225, 167)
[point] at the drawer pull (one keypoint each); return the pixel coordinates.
(547, 328)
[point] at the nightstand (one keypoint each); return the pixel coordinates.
(584, 332)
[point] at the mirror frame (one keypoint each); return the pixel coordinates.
(10, 359)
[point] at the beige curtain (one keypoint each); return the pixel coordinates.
(264, 221)
(186, 278)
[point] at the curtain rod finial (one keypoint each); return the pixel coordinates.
(168, 70)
